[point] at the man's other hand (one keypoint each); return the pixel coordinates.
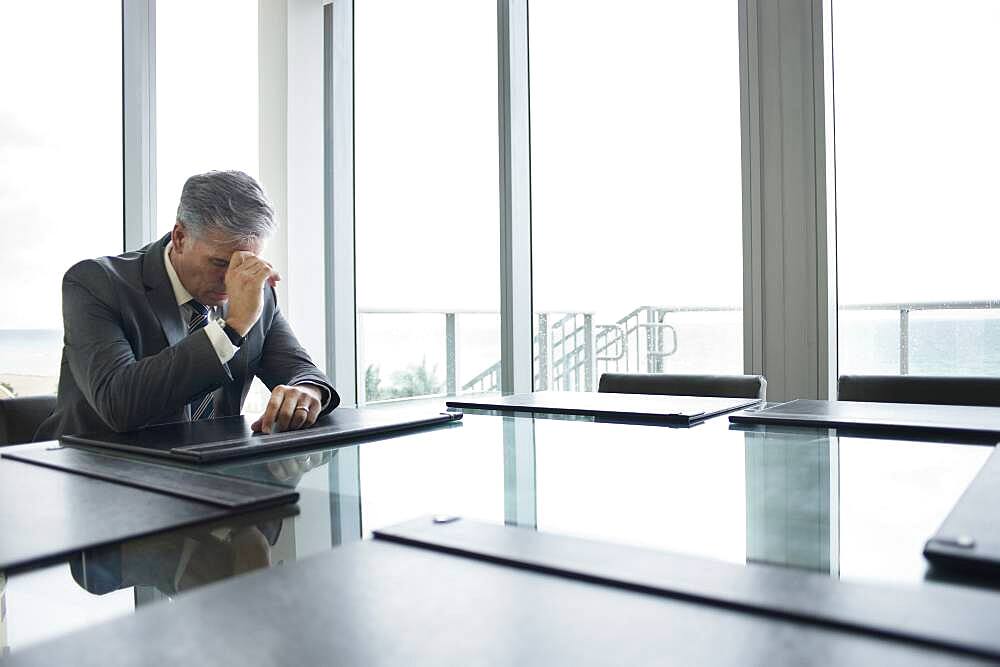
(245, 280)
(290, 408)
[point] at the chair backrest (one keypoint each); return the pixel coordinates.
(728, 386)
(20, 417)
(920, 389)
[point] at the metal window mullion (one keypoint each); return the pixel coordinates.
(516, 351)
(138, 122)
(753, 327)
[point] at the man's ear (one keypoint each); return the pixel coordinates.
(179, 236)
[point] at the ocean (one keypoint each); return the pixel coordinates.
(30, 351)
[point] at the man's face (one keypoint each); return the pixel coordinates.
(201, 262)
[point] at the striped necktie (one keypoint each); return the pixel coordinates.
(203, 405)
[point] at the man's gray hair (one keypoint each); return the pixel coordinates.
(229, 202)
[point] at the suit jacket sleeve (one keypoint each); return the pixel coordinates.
(125, 392)
(284, 361)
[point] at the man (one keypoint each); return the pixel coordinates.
(178, 329)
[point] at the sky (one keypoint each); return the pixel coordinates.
(917, 144)
(60, 149)
(636, 147)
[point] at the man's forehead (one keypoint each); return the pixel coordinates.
(221, 243)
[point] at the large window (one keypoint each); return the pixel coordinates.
(206, 94)
(426, 178)
(916, 145)
(636, 189)
(60, 170)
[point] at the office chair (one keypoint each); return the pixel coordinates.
(21, 417)
(728, 386)
(920, 389)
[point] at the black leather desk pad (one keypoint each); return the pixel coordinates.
(230, 437)
(899, 417)
(969, 538)
(682, 410)
(47, 514)
(942, 616)
(869, 433)
(380, 603)
(227, 492)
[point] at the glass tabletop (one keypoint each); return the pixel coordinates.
(857, 508)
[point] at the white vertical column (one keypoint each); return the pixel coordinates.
(341, 326)
(789, 284)
(139, 121)
(515, 198)
(290, 60)
(290, 66)
(272, 67)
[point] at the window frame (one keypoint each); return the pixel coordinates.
(784, 163)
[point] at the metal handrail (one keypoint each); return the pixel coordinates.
(985, 304)
(659, 326)
(888, 305)
(621, 342)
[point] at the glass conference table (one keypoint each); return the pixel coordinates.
(857, 508)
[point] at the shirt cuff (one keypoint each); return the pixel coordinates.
(220, 341)
(322, 390)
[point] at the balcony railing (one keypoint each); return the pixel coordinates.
(905, 308)
(572, 350)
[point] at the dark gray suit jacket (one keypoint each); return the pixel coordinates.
(128, 362)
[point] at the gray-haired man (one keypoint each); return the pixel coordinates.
(178, 329)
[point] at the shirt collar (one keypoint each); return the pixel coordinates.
(180, 292)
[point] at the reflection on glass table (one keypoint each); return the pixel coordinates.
(106, 582)
(854, 508)
(808, 498)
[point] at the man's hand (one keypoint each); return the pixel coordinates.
(290, 408)
(245, 280)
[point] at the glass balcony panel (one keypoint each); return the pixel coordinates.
(954, 342)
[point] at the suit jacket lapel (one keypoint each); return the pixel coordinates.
(161, 294)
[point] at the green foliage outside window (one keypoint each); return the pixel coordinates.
(417, 380)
